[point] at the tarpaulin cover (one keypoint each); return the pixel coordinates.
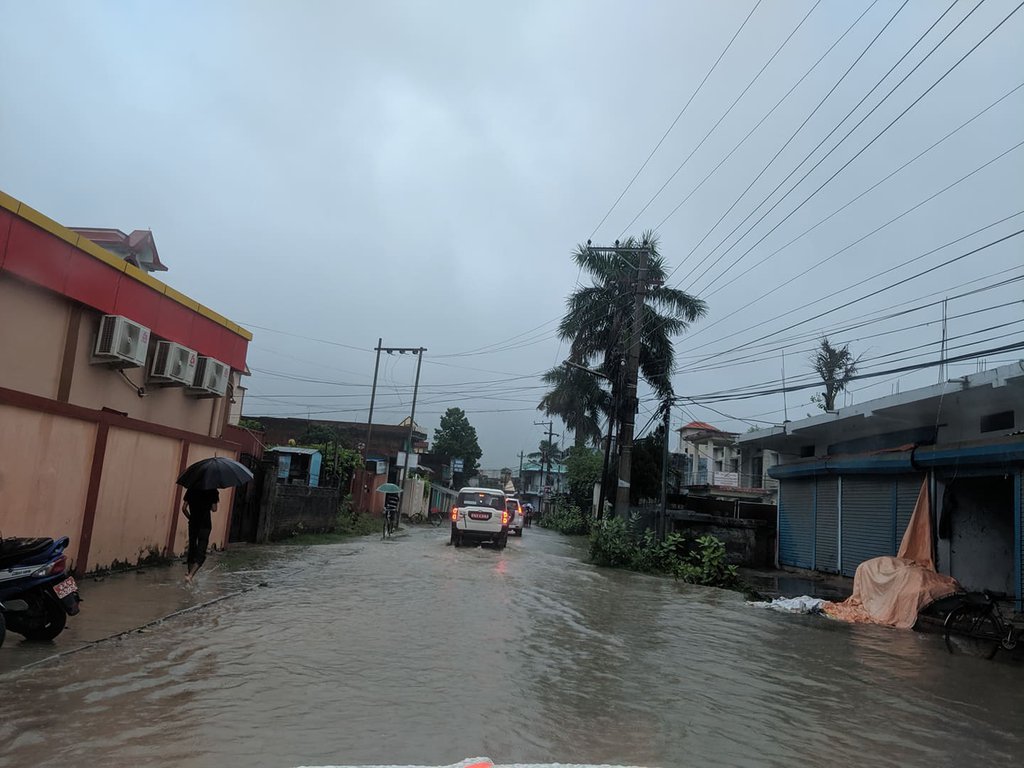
(892, 590)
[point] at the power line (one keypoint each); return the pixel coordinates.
(780, 150)
(767, 114)
(883, 289)
(678, 117)
(864, 148)
(725, 114)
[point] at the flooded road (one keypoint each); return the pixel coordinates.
(412, 651)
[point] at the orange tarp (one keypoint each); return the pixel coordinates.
(893, 590)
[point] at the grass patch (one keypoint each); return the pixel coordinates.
(348, 526)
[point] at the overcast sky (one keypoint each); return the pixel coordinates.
(340, 171)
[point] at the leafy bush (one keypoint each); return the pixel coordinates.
(567, 519)
(616, 543)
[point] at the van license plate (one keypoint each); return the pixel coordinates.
(479, 515)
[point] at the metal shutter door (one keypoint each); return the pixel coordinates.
(1020, 539)
(907, 489)
(867, 519)
(826, 525)
(796, 523)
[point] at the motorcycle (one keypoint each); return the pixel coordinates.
(35, 571)
(9, 607)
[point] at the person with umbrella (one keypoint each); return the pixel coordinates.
(201, 481)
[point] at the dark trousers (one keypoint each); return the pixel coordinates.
(198, 543)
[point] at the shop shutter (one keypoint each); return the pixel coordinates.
(867, 519)
(826, 525)
(796, 523)
(907, 489)
(1020, 540)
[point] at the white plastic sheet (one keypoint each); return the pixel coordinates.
(803, 604)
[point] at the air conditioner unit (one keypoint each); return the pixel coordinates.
(173, 364)
(121, 343)
(211, 378)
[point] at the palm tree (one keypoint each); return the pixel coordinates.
(577, 398)
(598, 319)
(836, 366)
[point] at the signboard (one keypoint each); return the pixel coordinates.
(414, 460)
(457, 465)
(284, 465)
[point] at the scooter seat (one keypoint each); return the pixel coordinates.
(14, 551)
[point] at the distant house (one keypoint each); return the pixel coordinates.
(849, 479)
(710, 463)
(137, 248)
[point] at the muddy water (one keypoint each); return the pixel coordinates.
(411, 651)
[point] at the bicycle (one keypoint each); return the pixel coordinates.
(976, 626)
(389, 524)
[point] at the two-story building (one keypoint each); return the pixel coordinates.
(849, 479)
(111, 384)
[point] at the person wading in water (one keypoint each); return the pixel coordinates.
(198, 507)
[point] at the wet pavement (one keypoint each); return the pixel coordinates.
(410, 651)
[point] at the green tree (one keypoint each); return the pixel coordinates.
(578, 399)
(318, 434)
(836, 366)
(456, 437)
(599, 317)
(253, 425)
(548, 450)
(583, 471)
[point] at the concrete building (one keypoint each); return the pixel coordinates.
(111, 383)
(849, 479)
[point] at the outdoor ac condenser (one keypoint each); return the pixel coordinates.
(121, 343)
(173, 364)
(211, 378)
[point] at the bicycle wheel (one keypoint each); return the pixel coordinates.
(972, 632)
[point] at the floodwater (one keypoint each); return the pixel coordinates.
(411, 651)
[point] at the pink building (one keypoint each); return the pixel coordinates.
(111, 383)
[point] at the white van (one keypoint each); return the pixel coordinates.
(480, 515)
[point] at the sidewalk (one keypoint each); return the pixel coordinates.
(122, 602)
(772, 583)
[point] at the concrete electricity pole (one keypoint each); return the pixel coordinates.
(373, 395)
(629, 397)
(369, 426)
(546, 477)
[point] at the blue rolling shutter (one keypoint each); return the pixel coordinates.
(796, 523)
(868, 519)
(826, 525)
(907, 489)
(1019, 534)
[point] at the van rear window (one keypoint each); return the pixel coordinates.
(481, 499)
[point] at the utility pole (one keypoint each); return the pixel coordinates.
(629, 396)
(522, 455)
(546, 477)
(412, 415)
(662, 527)
(369, 425)
(373, 393)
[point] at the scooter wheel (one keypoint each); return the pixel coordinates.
(44, 620)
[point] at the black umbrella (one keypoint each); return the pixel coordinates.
(218, 472)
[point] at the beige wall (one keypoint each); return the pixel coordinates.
(33, 323)
(95, 386)
(136, 497)
(44, 474)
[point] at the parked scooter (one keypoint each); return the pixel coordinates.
(35, 571)
(11, 606)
